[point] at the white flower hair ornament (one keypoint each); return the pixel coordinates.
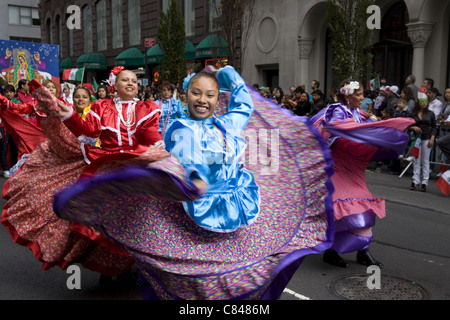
(187, 80)
(350, 88)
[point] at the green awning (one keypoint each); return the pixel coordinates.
(66, 64)
(189, 48)
(92, 61)
(212, 46)
(130, 57)
(155, 54)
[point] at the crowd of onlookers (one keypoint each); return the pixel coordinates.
(381, 102)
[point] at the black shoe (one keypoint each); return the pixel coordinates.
(413, 186)
(423, 188)
(365, 258)
(333, 258)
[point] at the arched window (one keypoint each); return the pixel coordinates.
(87, 28)
(48, 28)
(102, 40)
(134, 22)
(117, 24)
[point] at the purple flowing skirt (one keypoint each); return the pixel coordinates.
(140, 210)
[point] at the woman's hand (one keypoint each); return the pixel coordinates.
(416, 129)
(65, 110)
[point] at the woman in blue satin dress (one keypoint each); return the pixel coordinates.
(210, 148)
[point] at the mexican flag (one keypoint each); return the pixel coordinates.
(443, 182)
(415, 150)
(75, 74)
(374, 84)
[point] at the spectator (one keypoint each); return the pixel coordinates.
(67, 95)
(303, 107)
(171, 109)
(434, 104)
(408, 95)
(367, 103)
(400, 111)
(102, 92)
(445, 115)
(331, 97)
(427, 84)
(318, 102)
(392, 98)
(426, 126)
(278, 95)
(410, 83)
(23, 94)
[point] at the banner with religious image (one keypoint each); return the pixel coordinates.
(28, 60)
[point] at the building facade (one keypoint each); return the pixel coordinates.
(100, 34)
(290, 43)
(19, 20)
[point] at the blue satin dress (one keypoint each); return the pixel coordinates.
(211, 149)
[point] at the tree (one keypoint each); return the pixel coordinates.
(172, 39)
(236, 18)
(350, 39)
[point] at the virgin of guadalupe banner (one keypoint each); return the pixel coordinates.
(29, 60)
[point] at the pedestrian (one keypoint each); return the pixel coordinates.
(238, 239)
(126, 129)
(171, 109)
(355, 140)
(425, 128)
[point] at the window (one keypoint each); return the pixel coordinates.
(24, 15)
(69, 38)
(116, 21)
(134, 22)
(58, 32)
(165, 4)
(48, 27)
(102, 41)
(214, 15)
(87, 30)
(189, 17)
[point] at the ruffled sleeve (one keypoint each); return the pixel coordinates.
(240, 106)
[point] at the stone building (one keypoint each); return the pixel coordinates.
(290, 43)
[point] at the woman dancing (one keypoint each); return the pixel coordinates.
(355, 140)
(62, 159)
(242, 238)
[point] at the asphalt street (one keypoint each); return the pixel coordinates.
(412, 242)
